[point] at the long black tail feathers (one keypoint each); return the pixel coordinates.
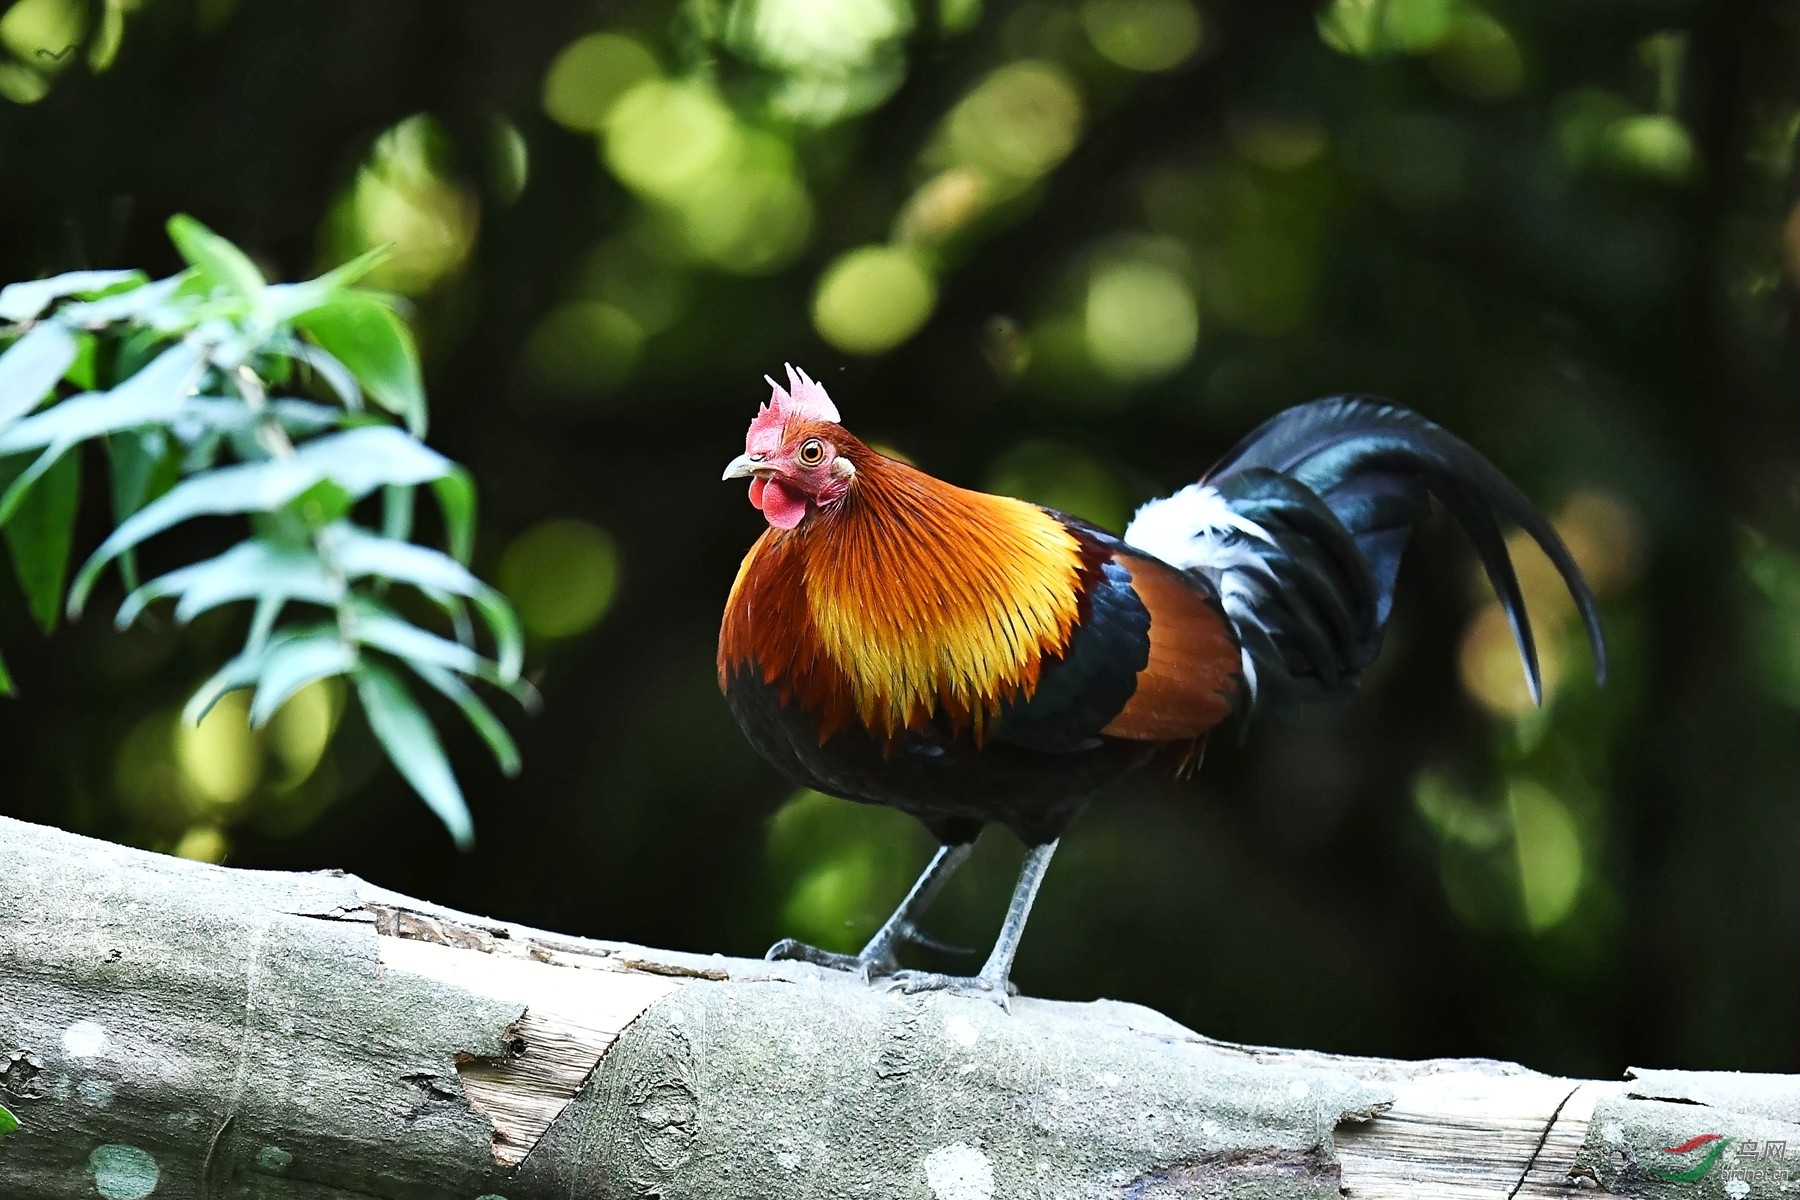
(1303, 525)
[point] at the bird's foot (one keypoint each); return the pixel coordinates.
(864, 966)
(877, 960)
(996, 988)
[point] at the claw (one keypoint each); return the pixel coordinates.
(911, 983)
(863, 967)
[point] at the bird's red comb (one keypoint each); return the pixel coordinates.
(803, 399)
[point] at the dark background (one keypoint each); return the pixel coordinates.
(1565, 230)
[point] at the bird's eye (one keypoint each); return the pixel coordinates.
(812, 452)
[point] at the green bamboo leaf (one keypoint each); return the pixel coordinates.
(135, 304)
(24, 301)
(6, 683)
(357, 460)
(335, 374)
(450, 685)
(397, 504)
(363, 459)
(358, 554)
(20, 488)
(40, 533)
(371, 624)
(216, 258)
(283, 303)
(31, 366)
(8, 1122)
(294, 661)
(455, 491)
(255, 568)
(370, 338)
(239, 672)
(142, 469)
(153, 396)
(413, 746)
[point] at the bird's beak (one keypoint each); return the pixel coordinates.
(744, 464)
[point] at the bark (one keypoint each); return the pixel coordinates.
(174, 1029)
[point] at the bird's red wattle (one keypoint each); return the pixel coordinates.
(782, 505)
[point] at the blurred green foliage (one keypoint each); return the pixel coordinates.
(189, 362)
(1067, 249)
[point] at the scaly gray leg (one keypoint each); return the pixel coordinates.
(879, 956)
(994, 980)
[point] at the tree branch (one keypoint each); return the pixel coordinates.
(200, 1031)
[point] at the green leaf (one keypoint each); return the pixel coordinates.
(371, 624)
(239, 672)
(286, 302)
(24, 301)
(40, 534)
(324, 503)
(215, 257)
(142, 469)
(8, 1122)
(499, 741)
(84, 372)
(31, 366)
(335, 374)
(254, 568)
(20, 488)
(153, 396)
(6, 683)
(358, 460)
(456, 496)
(372, 456)
(412, 744)
(294, 661)
(358, 554)
(135, 304)
(397, 512)
(370, 338)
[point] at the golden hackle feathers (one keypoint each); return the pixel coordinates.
(911, 598)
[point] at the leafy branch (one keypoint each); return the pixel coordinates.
(184, 382)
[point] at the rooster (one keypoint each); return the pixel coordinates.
(974, 659)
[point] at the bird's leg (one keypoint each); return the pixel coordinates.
(994, 979)
(879, 956)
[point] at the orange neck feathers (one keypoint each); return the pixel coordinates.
(907, 599)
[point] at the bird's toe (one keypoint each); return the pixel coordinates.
(999, 991)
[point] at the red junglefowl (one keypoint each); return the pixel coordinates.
(973, 659)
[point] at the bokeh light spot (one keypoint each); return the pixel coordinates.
(1278, 143)
(49, 26)
(1143, 35)
(753, 217)
(1479, 58)
(663, 137)
(562, 576)
(581, 348)
(203, 843)
(1020, 121)
(405, 199)
(1371, 28)
(1064, 478)
(588, 77)
(299, 732)
(1141, 320)
(872, 299)
(221, 758)
(1488, 661)
(1654, 145)
(1548, 844)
